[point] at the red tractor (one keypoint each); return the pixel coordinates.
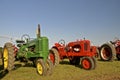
(78, 52)
(109, 51)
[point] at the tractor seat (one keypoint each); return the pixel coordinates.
(20, 41)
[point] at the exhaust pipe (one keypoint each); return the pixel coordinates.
(38, 31)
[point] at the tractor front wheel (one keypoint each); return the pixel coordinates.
(8, 57)
(41, 67)
(87, 63)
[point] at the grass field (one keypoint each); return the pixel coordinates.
(65, 71)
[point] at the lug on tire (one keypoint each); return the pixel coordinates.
(87, 63)
(54, 56)
(94, 60)
(49, 66)
(8, 57)
(41, 67)
(107, 52)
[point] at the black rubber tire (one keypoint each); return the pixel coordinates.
(109, 53)
(10, 59)
(98, 52)
(95, 63)
(87, 63)
(55, 53)
(49, 66)
(75, 60)
(41, 67)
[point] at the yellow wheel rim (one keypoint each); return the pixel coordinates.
(39, 68)
(5, 56)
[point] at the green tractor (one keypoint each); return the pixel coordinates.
(27, 50)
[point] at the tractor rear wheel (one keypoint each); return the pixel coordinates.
(8, 57)
(54, 56)
(74, 60)
(41, 67)
(49, 66)
(107, 52)
(87, 63)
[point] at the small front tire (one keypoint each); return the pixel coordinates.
(41, 67)
(87, 63)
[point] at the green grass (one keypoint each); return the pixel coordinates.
(65, 71)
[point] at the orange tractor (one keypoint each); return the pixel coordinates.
(79, 52)
(109, 51)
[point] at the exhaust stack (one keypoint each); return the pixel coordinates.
(38, 31)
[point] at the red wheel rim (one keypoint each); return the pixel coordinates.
(86, 64)
(105, 53)
(52, 58)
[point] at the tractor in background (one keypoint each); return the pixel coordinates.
(110, 50)
(29, 50)
(79, 52)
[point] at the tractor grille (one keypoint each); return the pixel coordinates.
(85, 46)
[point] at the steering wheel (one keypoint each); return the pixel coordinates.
(62, 42)
(25, 37)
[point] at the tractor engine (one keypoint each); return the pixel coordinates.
(81, 46)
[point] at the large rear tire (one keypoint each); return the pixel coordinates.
(107, 52)
(54, 56)
(8, 57)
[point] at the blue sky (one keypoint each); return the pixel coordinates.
(96, 20)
